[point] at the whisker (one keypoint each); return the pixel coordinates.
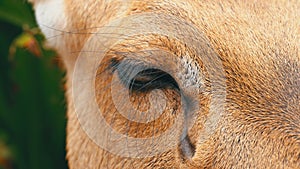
(78, 31)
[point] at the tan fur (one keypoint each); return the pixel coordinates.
(259, 45)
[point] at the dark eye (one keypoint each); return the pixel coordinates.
(150, 79)
(144, 79)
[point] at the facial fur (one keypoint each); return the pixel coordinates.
(258, 45)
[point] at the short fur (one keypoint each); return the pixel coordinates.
(258, 43)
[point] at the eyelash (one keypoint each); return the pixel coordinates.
(150, 79)
(145, 80)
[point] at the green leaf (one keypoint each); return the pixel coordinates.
(32, 110)
(17, 12)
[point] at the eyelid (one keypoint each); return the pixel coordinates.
(138, 76)
(128, 69)
(159, 81)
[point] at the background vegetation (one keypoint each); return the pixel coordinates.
(32, 107)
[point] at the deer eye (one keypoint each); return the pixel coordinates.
(152, 79)
(142, 78)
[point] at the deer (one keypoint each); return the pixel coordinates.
(178, 84)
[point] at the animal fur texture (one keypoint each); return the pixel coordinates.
(258, 46)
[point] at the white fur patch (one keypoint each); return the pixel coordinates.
(51, 18)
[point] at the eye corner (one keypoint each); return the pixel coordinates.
(113, 64)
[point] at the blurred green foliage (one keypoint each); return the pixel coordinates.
(32, 107)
